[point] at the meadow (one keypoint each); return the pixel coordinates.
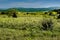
(29, 26)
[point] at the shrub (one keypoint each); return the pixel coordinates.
(14, 15)
(50, 13)
(27, 13)
(2, 13)
(58, 12)
(58, 17)
(47, 25)
(46, 13)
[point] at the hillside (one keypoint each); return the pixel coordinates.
(31, 9)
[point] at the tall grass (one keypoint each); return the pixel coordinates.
(27, 28)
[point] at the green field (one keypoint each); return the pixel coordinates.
(28, 28)
(16, 25)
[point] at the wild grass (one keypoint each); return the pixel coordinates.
(28, 28)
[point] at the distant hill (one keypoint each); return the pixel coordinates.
(32, 9)
(54, 7)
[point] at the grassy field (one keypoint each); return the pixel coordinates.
(29, 28)
(16, 25)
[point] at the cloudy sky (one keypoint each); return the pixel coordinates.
(29, 3)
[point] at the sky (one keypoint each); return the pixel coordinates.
(29, 3)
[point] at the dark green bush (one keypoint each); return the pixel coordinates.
(2, 13)
(50, 13)
(14, 15)
(47, 25)
(58, 17)
(46, 13)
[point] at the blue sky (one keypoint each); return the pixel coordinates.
(29, 3)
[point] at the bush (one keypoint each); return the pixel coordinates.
(47, 25)
(50, 13)
(14, 15)
(58, 17)
(2, 13)
(27, 13)
(46, 13)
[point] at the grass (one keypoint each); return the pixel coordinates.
(28, 28)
